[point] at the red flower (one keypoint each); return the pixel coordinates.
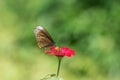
(60, 52)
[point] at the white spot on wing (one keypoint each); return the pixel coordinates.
(37, 29)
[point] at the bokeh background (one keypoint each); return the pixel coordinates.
(90, 27)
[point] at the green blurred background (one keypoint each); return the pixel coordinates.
(90, 27)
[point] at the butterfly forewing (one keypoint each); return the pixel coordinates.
(43, 37)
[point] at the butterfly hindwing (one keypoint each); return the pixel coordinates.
(43, 37)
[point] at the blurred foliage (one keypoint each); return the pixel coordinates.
(91, 27)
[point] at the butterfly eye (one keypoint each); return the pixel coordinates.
(43, 37)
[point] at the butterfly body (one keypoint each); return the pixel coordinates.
(43, 37)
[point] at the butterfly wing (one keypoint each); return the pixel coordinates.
(43, 37)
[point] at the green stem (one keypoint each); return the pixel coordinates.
(59, 63)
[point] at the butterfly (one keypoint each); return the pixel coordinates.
(44, 39)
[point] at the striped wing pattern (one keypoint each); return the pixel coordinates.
(43, 37)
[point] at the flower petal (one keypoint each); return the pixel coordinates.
(63, 51)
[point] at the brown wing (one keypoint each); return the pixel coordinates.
(43, 37)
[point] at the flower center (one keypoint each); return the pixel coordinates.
(57, 48)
